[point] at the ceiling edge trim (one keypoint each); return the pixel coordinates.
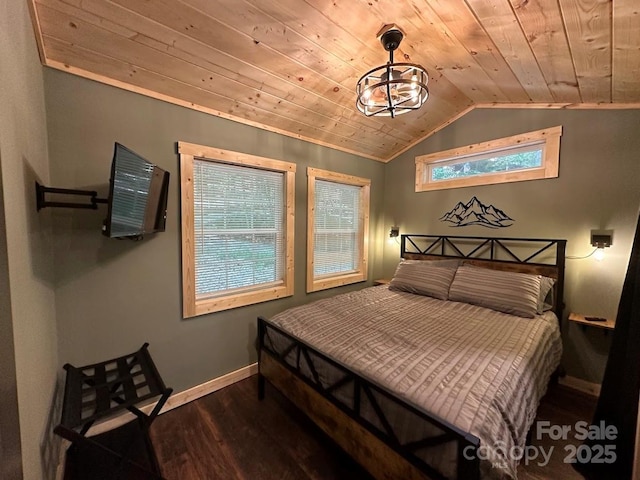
(549, 106)
(37, 31)
(193, 106)
(564, 106)
(460, 114)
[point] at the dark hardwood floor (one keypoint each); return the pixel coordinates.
(230, 434)
(561, 406)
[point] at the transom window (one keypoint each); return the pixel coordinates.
(237, 229)
(529, 156)
(523, 158)
(338, 224)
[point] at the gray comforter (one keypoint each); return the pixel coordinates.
(479, 369)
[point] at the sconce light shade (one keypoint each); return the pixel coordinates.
(601, 239)
(394, 232)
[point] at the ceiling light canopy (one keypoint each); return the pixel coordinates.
(394, 88)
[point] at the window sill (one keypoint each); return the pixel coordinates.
(315, 285)
(227, 302)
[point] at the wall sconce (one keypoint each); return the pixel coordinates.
(601, 240)
(394, 232)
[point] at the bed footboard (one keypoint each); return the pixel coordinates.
(359, 422)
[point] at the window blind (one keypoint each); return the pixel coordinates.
(238, 227)
(336, 228)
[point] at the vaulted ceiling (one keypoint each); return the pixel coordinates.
(291, 66)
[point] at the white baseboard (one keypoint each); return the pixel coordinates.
(179, 399)
(580, 385)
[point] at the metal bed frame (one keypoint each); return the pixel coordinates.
(375, 444)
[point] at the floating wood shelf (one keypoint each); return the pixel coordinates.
(609, 324)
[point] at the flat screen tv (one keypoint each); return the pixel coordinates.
(138, 190)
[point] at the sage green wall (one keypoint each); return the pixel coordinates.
(113, 295)
(27, 312)
(598, 188)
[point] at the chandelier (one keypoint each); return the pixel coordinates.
(394, 88)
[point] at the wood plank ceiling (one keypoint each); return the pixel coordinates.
(291, 66)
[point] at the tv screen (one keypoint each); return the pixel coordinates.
(138, 191)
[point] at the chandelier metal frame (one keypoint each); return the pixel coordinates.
(395, 88)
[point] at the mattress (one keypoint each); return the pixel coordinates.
(480, 370)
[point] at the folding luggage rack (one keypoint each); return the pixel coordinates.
(96, 392)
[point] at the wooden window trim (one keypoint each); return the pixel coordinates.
(192, 306)
(360, 275)
(549, 168)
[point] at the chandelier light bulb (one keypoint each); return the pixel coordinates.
(414, 82)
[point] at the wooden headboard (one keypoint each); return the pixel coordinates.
(524, 255)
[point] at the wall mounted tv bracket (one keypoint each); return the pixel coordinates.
(41, 202)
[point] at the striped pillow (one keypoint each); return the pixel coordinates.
(445, 262)
(423, 278)
(508, 292)
(547, 297)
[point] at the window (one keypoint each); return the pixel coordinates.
(237, 229)
(337, 229)
(530, 156)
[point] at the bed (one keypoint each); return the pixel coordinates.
(418, 385)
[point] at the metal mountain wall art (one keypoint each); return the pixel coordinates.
(475, 213)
